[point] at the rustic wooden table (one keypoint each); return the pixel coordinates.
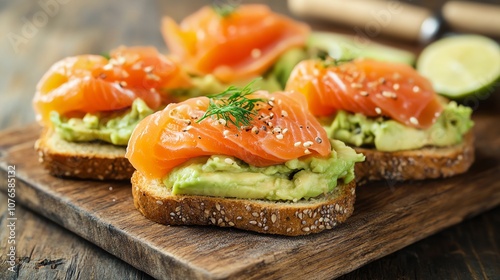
(36, 34)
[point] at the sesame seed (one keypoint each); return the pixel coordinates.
(395, 86)
(110, 188)
(414, 121)
(307, 144)
(120, 60)
(273, 218)
(284, 113)
(137, 66)
(388, 94)
(363, 93)
(153, 77)
(148, 69)
(306, 229)
(256, 53)
(255, 130)
(356, 85)
(296, 144)
(108, 66)
(285, 130)
(378, 110)
(306, 151)
(252, 222)
(255, 214)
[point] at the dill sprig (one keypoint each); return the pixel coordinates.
(233, 106)
(224, 8)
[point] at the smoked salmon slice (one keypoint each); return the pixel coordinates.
(92, 83)
(238, 46)
(281, 129)
(371, 87)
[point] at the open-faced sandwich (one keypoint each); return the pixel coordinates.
(89, 104)
(251, 160)
(391, 114)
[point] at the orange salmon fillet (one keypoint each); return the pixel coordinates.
(93, 83)
(283, 129)
(239, 46)
(371, 87)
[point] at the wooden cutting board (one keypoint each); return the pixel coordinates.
(388, 216)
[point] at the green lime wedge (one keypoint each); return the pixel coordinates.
(345, 47)
(461, 65)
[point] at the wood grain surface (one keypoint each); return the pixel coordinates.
(388, 217)
(46, 250)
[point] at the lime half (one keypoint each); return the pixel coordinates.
(461, 65)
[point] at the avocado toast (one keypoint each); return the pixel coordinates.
(391, 114)
(251, 160)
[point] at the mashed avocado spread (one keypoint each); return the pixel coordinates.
(115, 127)
(389, 135)
(293, 180)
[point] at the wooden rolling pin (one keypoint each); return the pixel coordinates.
(372, 18)
(473, 17)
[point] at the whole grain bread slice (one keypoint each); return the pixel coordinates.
(303, 217)
(84, 160)
(425, 163)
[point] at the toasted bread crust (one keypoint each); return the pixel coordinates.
(99, 161)
(425, 163)
(304, 217)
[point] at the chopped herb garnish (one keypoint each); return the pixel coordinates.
(233, 106)
(224, 8)
(106, 55)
